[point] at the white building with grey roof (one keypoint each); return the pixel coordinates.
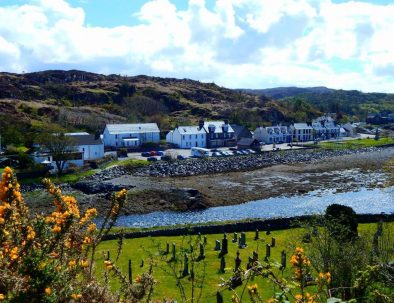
(130, 135)
(187, 137)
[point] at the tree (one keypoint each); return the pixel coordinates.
(61, 148)
(341, 222)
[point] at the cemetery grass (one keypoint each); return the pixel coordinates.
(140, 249)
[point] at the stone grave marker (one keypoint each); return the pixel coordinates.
(185, 271)
(217, 245)
(235, 238)
(222, 265)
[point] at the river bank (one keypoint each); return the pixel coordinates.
(340, 171)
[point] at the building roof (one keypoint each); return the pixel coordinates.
(302, 126)
(191, 130)
(241, 131)
(132, 128)
(218, 126)
(85, 139)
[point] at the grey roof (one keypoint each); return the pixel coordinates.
(132, 128)
(302, 126)
(218, 126)
(241, 131)
(85, 139)
(191, 130)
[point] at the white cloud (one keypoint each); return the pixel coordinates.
(237, 43)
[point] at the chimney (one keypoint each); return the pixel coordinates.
(201, 124)
(97, 135)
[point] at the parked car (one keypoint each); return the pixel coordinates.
(216, 154)
(181, 157)
(153, 153)
(222, 153)
(153, 159)
(251, 151)
(233, 148)
(160, 153)
(145, 154)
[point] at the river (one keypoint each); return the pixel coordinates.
(363, 201)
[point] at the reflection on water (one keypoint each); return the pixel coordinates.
(362, 201)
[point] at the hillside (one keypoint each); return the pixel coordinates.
(77, 100)
(352, 103)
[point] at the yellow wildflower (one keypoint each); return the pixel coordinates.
(2, 297)
(91, 228)
(108, 265)
(56, 229)
(76, 296)
(84, 263)
(48, 291)
(72, 264)
(253, 288)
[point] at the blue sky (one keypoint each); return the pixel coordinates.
(234, 43)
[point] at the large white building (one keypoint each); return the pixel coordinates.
(130, 135)
(302, 132)
(187, 137)
(273, 134)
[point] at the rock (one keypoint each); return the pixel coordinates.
(93, 187)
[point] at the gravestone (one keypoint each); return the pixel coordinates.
(201, 256)
(167, 248)
(283, 259)
(217, 245)
(237, 262)
(222, 265)
(224, 245)
(250, 263)
(256, 234)
(273, 242)
(235, 238)
(219, 297)
(185, 271)
(142, 263)
(268, 232)
(130, 273)
(108, 256)
(173, 253)
(242, 240)
(205, 240)
(268, 251)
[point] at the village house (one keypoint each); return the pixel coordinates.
(273, 134)
(302, 132)
(188, 136)
(91, 146)
(325, 128)
(249, 143)
(84, 147)
(219, 134)
(130, 135)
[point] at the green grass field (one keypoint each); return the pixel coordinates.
(141, 249)
(357, 143)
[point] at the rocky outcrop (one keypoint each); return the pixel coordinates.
(92, 187)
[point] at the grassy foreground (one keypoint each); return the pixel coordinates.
(147, 248)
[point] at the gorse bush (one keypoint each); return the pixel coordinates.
(49, 258)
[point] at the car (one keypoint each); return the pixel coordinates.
(237, 152)
(233, 148)
(222, 153)
(153, 153)
(152, 159)
(216, 154)
(160, 153)
(251, 151)
(181, 157)
(145, 154)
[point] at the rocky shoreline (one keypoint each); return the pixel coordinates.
(193, 167)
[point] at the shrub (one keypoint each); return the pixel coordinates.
(50, 258)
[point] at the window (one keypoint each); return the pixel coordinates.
(116, 136)
(183, 137)
(196, 136)
(190, 136)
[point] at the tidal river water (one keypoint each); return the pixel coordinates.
(363, 201)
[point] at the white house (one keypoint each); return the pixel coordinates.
(130, 135)
(302, 132)
(273, 134)
(325, 128)
(188, 136)
(45, 158)
(91, 146)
